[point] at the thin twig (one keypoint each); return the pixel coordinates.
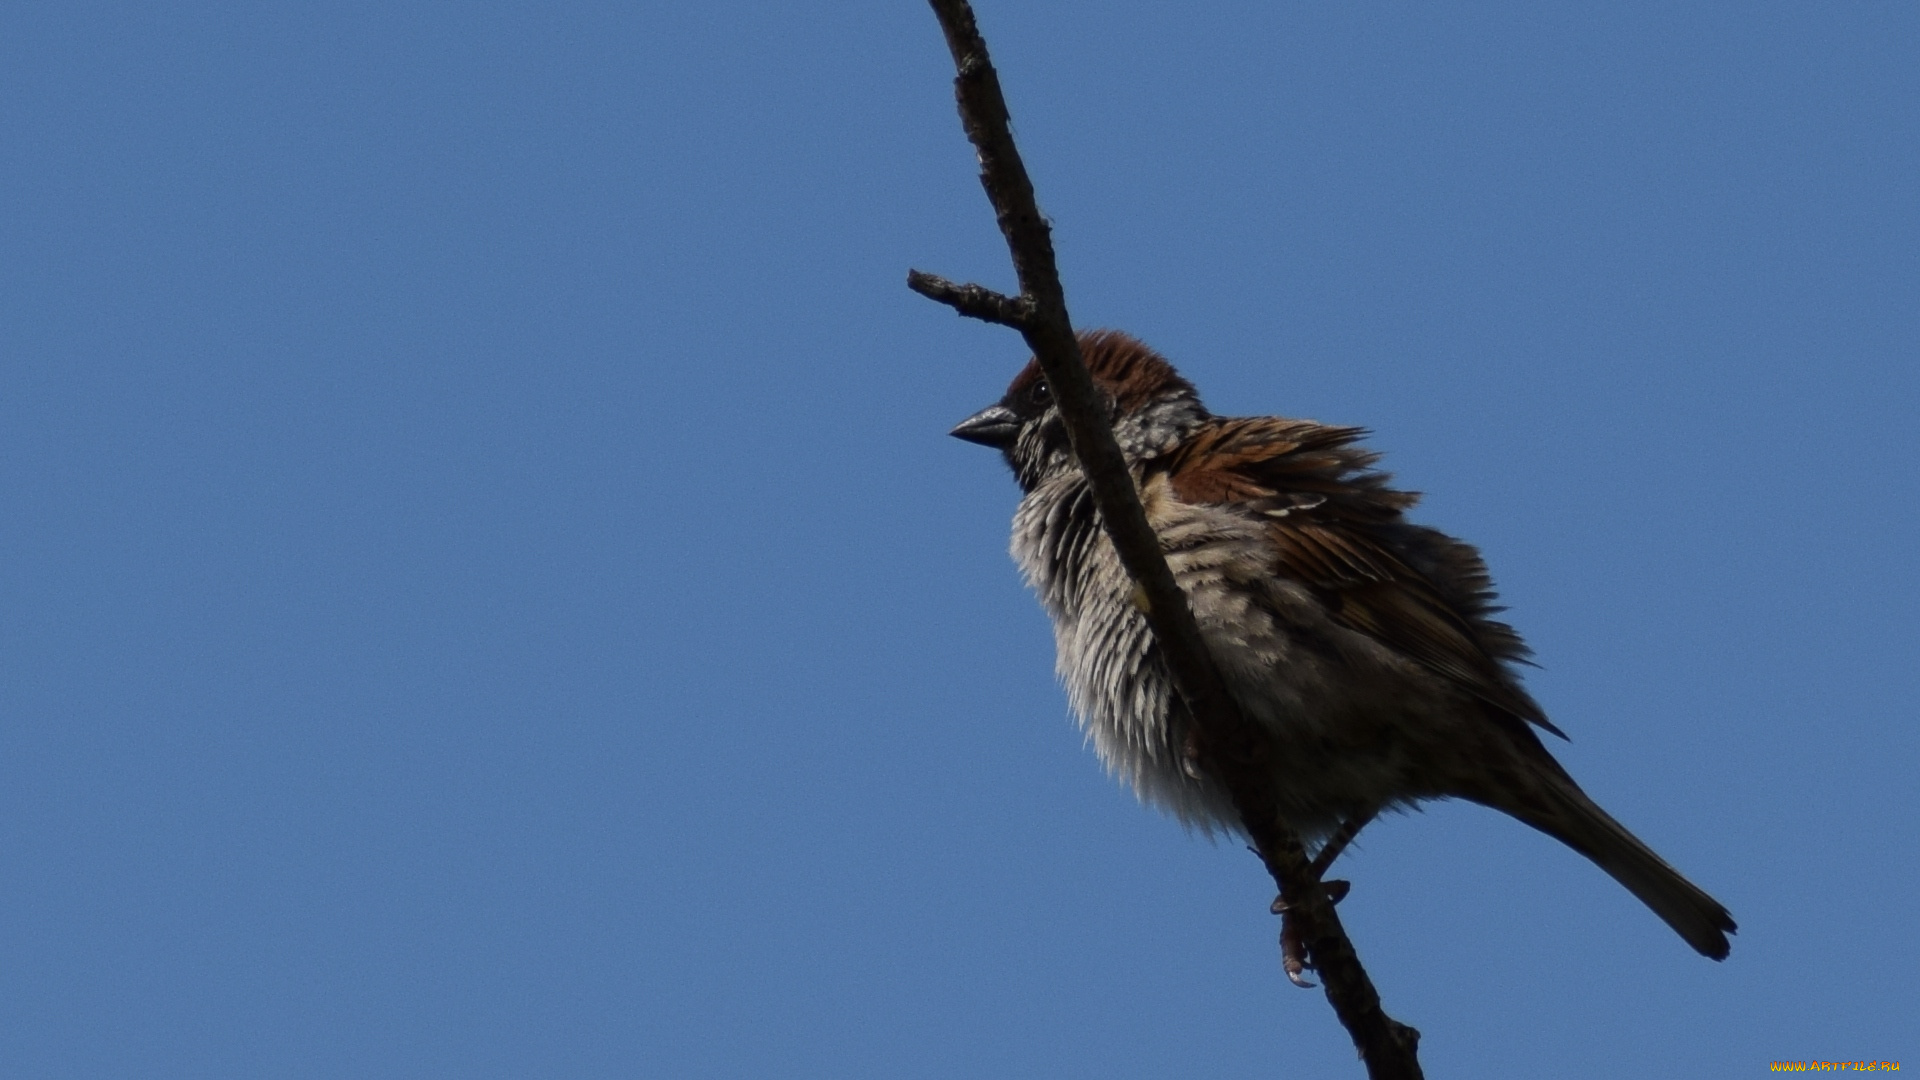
(1227, 744)
(974, 301)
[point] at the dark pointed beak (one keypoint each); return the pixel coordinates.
(994, 426)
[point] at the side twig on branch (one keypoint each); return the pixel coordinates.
(1226, 743)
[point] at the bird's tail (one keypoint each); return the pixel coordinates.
(1561, 810)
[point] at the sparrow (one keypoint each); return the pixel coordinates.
(1363, 646)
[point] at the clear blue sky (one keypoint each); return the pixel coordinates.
(485, 589)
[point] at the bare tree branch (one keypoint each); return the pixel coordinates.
(974, 301)
(1226, 743)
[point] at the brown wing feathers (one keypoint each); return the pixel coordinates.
(1337, 528)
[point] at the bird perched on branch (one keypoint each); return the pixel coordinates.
(1363, 646)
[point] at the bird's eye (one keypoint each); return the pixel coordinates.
(1042, 395)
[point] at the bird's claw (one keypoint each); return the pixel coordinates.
(1293, 951)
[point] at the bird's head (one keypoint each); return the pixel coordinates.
(1150, 406)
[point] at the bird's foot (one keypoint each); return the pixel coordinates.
(1337, 843)
(1293, 949)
